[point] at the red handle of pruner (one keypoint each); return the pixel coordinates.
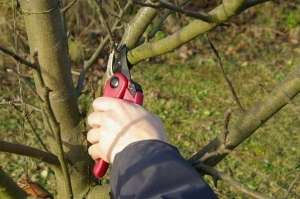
(118, 87)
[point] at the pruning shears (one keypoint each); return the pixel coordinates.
(118, 85)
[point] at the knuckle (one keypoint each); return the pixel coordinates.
(96, 102)
(90, 118)
(90, 150)
(89, 136)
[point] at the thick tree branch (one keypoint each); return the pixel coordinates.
(18, 58)
(157, 24)
(138, 25)
(222, 13)
(195, 28)
(167, 5)
(250, 121)
(28, 151)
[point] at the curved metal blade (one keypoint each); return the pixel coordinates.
(110, 62)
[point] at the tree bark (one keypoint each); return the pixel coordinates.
(221, 13)
(137, 26)
(47, 36)
(251, 120)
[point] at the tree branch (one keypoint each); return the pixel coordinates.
(222, 13)
(18, 58)
(167, 5)
(28, 151)
(94, 57)
(158, 24)
(55, 71)
(103, 21)
(228, 81)
(55, 128)
(138, 25)
(195, 28)
(251, 120)
(226, 178)
(292, 185)
(250, 3)
(68, 6)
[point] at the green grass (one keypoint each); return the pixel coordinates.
(192, 98)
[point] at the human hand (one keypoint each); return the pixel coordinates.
(116, 124)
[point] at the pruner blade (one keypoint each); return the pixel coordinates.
(110, 63)
(117, 62)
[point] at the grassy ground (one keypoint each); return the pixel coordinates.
(187, 90)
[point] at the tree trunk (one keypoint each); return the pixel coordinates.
(47, 36)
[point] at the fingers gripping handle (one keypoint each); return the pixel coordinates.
(118, 87)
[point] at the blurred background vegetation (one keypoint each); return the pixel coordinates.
(185, 88)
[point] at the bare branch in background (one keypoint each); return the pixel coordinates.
(229, 83)
(33, 129)
(28, 151)
(226, 125)
(68, 6)
(292, 185)
(18, 58)
(167, 5)
(250, 121)
(27, 80)
(18, 103)
(94, 57)
(250, 3)
(104, 22)
(226, 178)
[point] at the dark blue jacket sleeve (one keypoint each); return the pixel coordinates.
(154, 169)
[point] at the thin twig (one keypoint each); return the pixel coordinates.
(231, 87)
(157, 26)
(16, 103)
(68, 6)
(292, 185)
(28, 151)
(18, 58)
(104, 22)
(167, 5)
(226, 125)
(26, 79)
(94, 57)
(250, 3)
(226, 178)
(26, 116)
